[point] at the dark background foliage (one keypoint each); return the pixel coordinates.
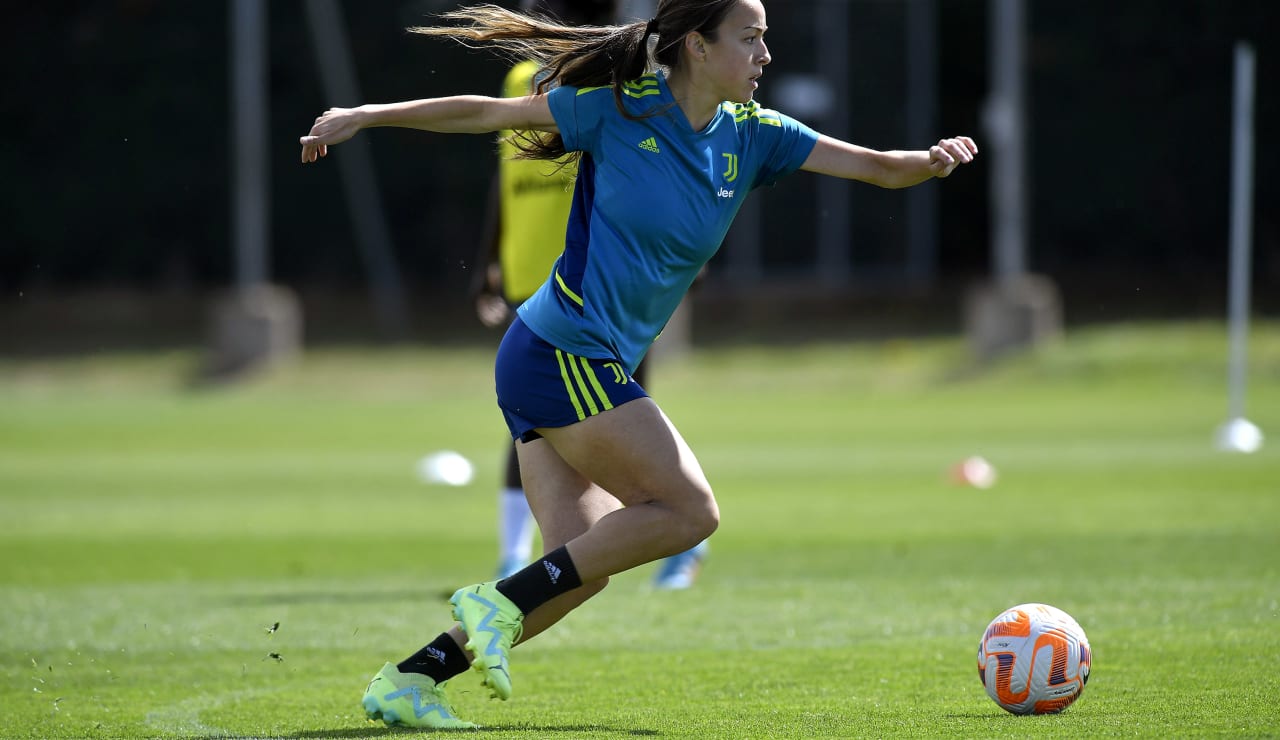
(116, 154)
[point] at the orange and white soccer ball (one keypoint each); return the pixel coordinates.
(1034, 659)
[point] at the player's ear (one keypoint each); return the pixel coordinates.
(696, 46)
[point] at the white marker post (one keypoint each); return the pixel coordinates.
(1238, 434)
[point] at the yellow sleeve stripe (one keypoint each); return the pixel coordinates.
(565, 289)
(643, 87)
(767, 118)
(751, 110)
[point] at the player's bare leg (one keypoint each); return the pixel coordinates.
(627, 483)
(635, 454)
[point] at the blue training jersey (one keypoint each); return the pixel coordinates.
(652, 204)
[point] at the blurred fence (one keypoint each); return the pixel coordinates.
(118, 170)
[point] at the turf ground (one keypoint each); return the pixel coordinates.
(151, 535)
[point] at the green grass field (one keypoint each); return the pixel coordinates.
(150, 534)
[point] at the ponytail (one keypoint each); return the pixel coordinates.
(574, 56)
(581, 56)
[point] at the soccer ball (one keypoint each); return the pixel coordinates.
(1034, 659)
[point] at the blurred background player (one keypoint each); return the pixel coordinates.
(524, 234)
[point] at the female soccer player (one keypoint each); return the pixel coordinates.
(667, 153)
(524, 235)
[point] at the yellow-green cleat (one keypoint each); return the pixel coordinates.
(410, 700)
(492, 624)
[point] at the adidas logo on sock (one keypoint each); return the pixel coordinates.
(552, 571)
(650, 145)
(436, 654)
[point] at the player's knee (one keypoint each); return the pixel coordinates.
(707, 524)
(701, 520)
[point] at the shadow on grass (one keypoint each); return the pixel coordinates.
(334, 597)
(544, 730)
(571, 729)
(989, 717)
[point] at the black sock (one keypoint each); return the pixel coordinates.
(440, 661)
(541, 581)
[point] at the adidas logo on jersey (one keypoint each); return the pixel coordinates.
(650, 145)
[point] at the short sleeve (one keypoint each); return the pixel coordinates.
(787, 144)
(578, 115)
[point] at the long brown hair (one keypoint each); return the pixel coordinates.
(581, 56)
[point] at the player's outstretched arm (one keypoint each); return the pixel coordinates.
(895, 169)
(466, 114)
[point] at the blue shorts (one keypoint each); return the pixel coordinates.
(542, 386)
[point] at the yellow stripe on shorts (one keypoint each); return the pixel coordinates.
(582, 386)
(595, 383)
(568, 386)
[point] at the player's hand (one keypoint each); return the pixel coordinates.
(948, 154)
(492, 310)
(334, 126)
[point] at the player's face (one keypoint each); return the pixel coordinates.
(737, 58)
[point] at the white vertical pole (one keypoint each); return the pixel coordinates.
(372, 233)
(250, 198)
(1238, 434)
(1005, 123)
(1241, 222)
